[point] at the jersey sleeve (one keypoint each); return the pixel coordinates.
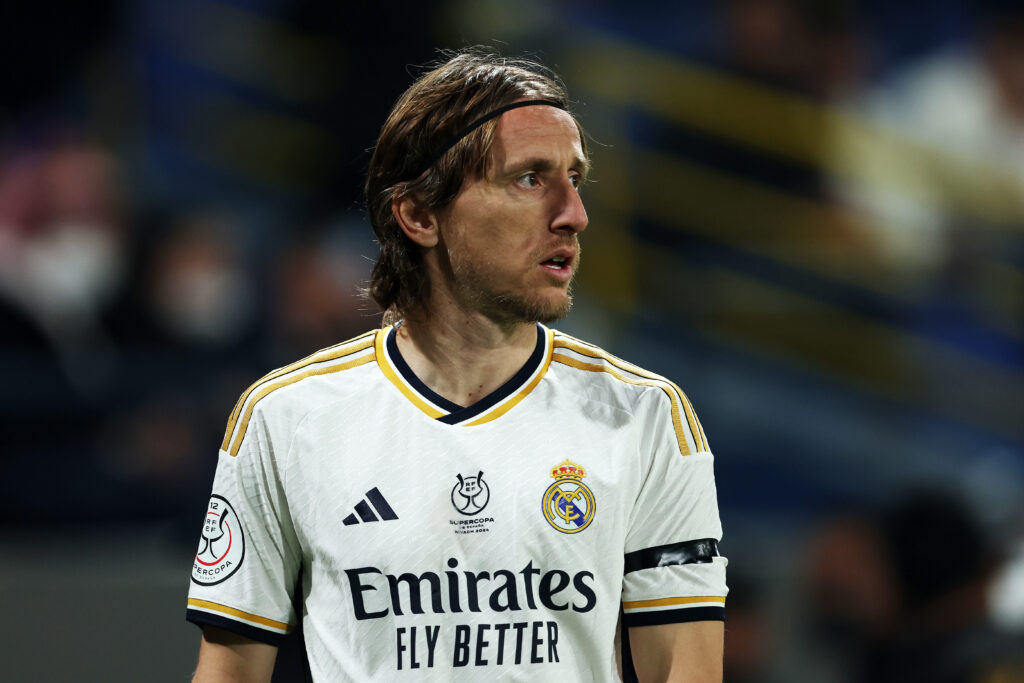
(247, 564)
(673, 571)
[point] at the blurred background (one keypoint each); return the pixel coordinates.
(808, 213)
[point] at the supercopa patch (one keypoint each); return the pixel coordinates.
(471, 494)
(222, 545)
(568, 504)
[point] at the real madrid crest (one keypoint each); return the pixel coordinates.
(568, 504)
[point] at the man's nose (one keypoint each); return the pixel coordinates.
(570, 212)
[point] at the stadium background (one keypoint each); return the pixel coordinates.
(807, 213)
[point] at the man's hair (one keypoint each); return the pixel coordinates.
(443, 101)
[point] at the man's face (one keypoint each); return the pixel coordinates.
(511, 237)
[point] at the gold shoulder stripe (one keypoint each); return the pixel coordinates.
(330, 353)
(703, 436)
(565, 341)
(362, 360)
(670, 602)
(509, 404)
(691, 415)
(677, 423)
(224, 609)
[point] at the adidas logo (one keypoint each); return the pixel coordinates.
(365, 512)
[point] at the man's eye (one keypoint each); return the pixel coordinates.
(528, 179)
(576, 181)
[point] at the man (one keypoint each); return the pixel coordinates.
(466, 494)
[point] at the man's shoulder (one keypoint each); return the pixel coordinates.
(618, 382)
(602, 365)
(294, 389)
(324, 370)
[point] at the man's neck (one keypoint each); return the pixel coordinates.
(464, 359)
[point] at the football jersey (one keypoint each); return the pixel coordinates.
(416, 538)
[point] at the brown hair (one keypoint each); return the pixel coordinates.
(443, 101)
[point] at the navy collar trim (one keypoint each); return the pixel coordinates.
(455, 412)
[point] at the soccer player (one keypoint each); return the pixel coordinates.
(466, 494)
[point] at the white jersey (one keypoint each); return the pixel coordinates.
(418, 539)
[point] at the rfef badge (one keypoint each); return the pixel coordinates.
(568, 504)
(222, 545)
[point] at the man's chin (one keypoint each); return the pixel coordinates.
(553, 313)
(512, 308)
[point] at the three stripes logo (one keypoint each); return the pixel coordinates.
(365, 512)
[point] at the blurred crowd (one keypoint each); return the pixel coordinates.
(143, 285)
(906, 592)
(127, 337)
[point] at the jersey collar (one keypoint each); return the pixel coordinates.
(490, 407)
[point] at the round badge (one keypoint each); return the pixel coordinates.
(222, 545)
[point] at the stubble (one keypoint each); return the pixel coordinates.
(475, 282)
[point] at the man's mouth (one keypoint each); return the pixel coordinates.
(556, 263)
(560, 265)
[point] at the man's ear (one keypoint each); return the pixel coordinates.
(417, 222)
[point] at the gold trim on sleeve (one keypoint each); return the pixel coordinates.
(231, 611)
(671, 602)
